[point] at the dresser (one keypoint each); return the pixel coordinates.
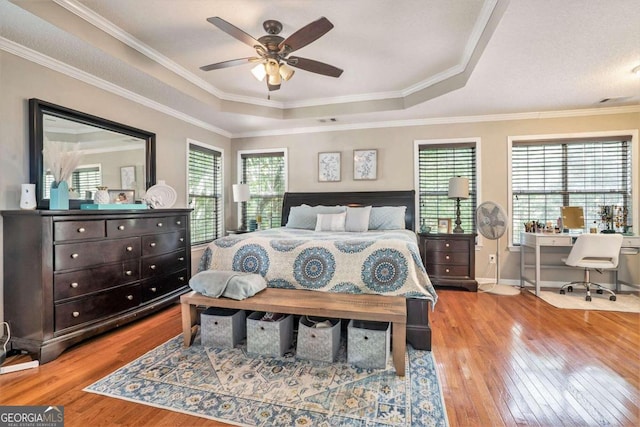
(69, 275)
(449, 259)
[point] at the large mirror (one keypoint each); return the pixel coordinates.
(113, 155)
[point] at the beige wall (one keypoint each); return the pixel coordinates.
(21, 80)
(396, 166)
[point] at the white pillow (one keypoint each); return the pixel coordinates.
(331, 222)
(306, 216)
(357, 219)
(387, 218)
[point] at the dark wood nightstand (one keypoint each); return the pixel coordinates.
(450, 259)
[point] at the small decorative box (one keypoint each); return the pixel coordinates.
(269, 338)
(222, 327)
(368, 343)
(318, 343)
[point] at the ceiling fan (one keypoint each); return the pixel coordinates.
(273, 51)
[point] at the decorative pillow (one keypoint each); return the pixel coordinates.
(387, 218)
(230, 284)
(331, 222)
(357, 219)
(306, 216)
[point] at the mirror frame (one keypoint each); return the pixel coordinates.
(37, 108)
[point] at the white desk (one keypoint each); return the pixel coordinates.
(538, 241)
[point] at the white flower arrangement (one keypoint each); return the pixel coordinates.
(60, 160)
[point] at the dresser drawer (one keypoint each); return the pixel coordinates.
(77, 283)
(448, 258)
(96, 307)
(157, 287)
(443, 271)
(161, 265)
(136, 226)
(79, 255)
(77, 230)
(162, 243)
(461, 246)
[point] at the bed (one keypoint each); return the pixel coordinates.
(382, 261)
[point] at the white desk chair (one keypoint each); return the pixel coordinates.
(597, 252)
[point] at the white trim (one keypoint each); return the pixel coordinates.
(285, 153)
(635, 166)
(477, 141)
(222, 191)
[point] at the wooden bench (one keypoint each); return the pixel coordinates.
(378, 308)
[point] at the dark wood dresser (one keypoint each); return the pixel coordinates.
(69, 275)
(450, 259)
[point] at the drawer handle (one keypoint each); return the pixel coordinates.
(128, 272)
(75, 314)
(446, 270)
(159, 224)
(81, 230)
(178, 222)
(129, 248)
(121, 227)
(130, 297)
(181, 258)
(154, 289)
(152, 244)
(446, 244)
(182, 239)
(447, 257)
(152, 266)
(74, 256)
(74, 285)
(181, 278)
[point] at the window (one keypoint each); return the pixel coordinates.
(205, 193)
(587, 172)
(266, 174)
(84, 180)
(438, 161)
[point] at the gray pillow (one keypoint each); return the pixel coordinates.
(358, 219)
(230, 284)
(306, 216)
(387, 218)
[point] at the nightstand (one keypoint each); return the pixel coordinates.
(449, 259)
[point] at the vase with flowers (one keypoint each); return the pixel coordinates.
(60, 162)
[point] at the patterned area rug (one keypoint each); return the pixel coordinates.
(234, 387)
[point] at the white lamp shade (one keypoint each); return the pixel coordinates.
(459, 188)
(241, 192)
(259, 72)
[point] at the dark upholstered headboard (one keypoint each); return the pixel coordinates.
(363, 198)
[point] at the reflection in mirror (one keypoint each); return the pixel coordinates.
(115, 156)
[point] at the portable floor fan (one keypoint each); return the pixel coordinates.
(492, 223)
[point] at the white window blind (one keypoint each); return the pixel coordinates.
(437, 163)
(84, 180)
(205, 194)
(547, 175)
(265, 174)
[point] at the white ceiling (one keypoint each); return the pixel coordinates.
(405, 62)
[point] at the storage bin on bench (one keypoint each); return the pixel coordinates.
(318, 343)
(269, 338)
(222, 327)
(368, 343)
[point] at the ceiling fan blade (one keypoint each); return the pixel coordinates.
(234, 31)
(305, 35)
(314, 66)
(227, 64)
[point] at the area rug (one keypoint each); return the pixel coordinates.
(497, 289)
(234, 387)
(628, 303)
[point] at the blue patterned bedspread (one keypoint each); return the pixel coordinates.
(375, 262)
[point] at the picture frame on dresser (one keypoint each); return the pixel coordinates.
(444, 225)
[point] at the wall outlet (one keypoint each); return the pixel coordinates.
(492, 258)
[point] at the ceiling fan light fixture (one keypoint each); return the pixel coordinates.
(272, 67)
(259, 72)
(274, 80)
(286, 72)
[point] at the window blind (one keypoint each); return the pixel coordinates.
(547, 175)
(205, 194)
(265, 174)
(436, 165)
(84, 180)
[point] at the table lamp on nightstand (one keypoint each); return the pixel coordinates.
(458, 189)
(241, 195)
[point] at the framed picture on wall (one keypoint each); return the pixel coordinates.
(365, 164)
(329, 167)
(444, 225)
(127, 177)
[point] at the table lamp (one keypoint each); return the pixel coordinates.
(458, 189)
(241, 195)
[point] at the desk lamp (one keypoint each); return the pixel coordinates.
(458, 189)
(241, 195)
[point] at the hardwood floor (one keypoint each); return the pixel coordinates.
(502, 361)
